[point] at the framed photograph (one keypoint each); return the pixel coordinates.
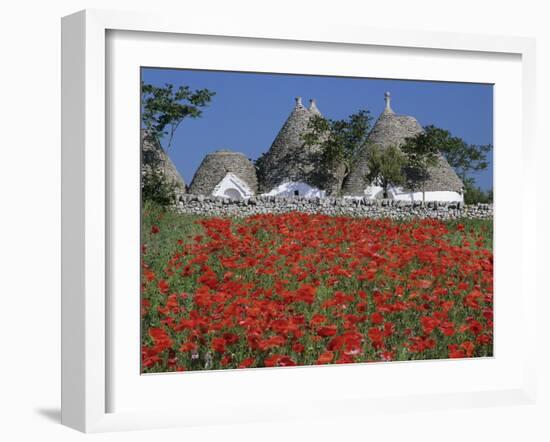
(276, 223)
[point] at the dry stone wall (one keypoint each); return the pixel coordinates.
(222, 207)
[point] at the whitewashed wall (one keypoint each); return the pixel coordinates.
(398, 194)
(231, 186)
(443, 196)
(303, 189)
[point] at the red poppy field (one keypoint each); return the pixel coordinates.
(298, 289)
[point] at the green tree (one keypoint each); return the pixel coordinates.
(474, 195)
(386, 167)
(422, 152)
(164, 108)
(464, 158)
(341, 141)
(157, 188)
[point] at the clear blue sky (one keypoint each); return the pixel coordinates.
(248, 109)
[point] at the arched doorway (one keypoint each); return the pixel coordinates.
(234, 194)
(231, 186)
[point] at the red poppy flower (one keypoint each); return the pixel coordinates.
(273, 342)
(483, 339)
(468, 348)
(279, 361)
(423, 284)
(245, 363)
(376, 336)
(475, 327)
(447, 328)
(428, 324)
(218, 344)
(376, 318)
(329, 330)
(149, 275)
(163, 286)
(317, 319)
(188, 346)
(161, 339)
(325, 357)
(455, 352)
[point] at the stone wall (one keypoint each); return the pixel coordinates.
(216, 206)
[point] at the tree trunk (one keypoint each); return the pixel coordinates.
(340, 185)
(339, 175)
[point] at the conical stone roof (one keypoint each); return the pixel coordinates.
(216, 165)
(392, 129)
(155, 158)
(288, 159)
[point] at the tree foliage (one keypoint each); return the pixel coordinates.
(341, 141)
(386, 167)
(156, 187)
(164, 108)
(474, 194)
(464, 158)
(422, 152)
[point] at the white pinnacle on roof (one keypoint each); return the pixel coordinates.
(387, 99)
(313, 107)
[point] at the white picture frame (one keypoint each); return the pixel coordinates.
(87, 232)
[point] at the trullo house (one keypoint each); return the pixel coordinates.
(227, 174)
(443, 184)
(155, 159)
(289, 168)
